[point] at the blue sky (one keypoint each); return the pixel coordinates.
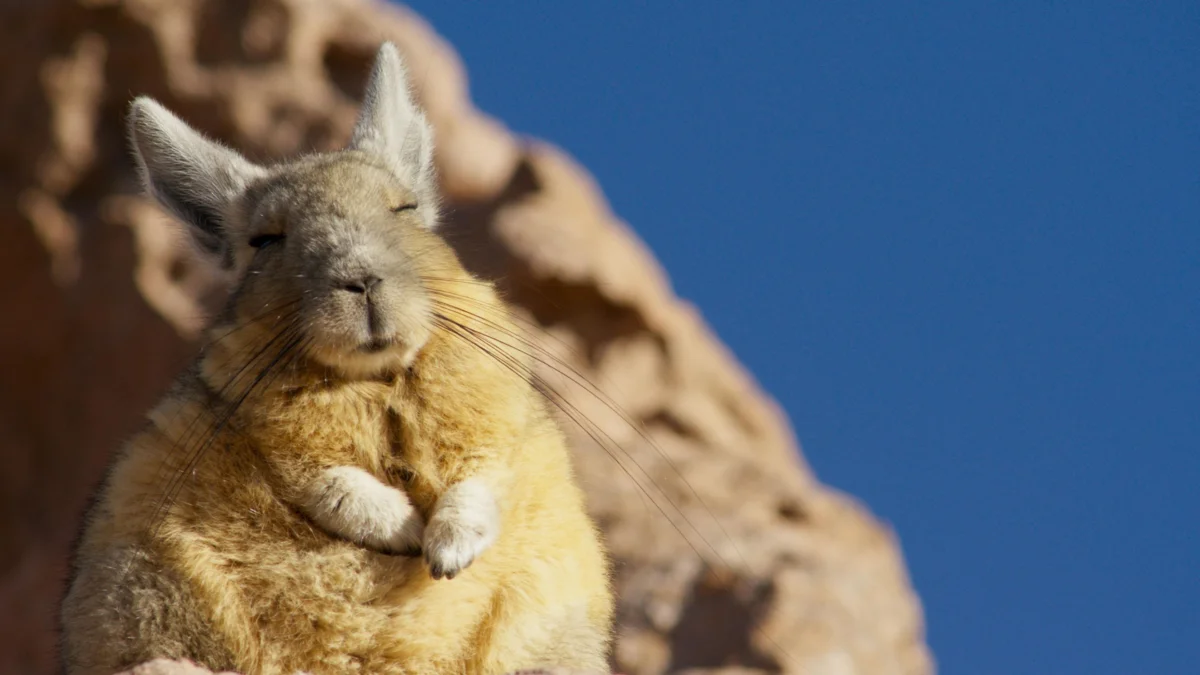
(960, 242)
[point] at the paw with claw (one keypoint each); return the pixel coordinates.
(464, 524)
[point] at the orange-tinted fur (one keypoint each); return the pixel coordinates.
(217, 561)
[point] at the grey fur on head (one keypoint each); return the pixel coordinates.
(198, 180)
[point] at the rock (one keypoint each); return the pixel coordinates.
(730, 556)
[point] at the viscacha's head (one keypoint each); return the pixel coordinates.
(331, 249)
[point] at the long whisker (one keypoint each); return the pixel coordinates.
(524, 286)
(541, 355)
(599, 435)
(291, 339)
(220, 394)
(480, 305)
(192, 456)
(584, 424)
(267, 313)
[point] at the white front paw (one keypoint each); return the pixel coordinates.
(464, 524)
(353, 504)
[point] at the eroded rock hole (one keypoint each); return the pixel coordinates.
(245, 31)
(717, 627)
(349, 69)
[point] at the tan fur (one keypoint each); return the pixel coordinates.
(234, 571)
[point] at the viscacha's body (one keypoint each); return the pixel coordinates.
(356, 476)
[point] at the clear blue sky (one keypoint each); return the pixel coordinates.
(959, 243)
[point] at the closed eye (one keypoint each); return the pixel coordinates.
(403, 207)
(262, 240)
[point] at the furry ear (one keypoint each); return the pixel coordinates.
(191, 176)
(392, 127)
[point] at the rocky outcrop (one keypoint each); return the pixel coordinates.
(729, 553)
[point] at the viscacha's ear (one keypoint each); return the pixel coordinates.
(392, 127)
(191, 176)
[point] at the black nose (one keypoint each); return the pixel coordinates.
(363, 285)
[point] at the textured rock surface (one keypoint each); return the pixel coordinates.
(99, 304)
